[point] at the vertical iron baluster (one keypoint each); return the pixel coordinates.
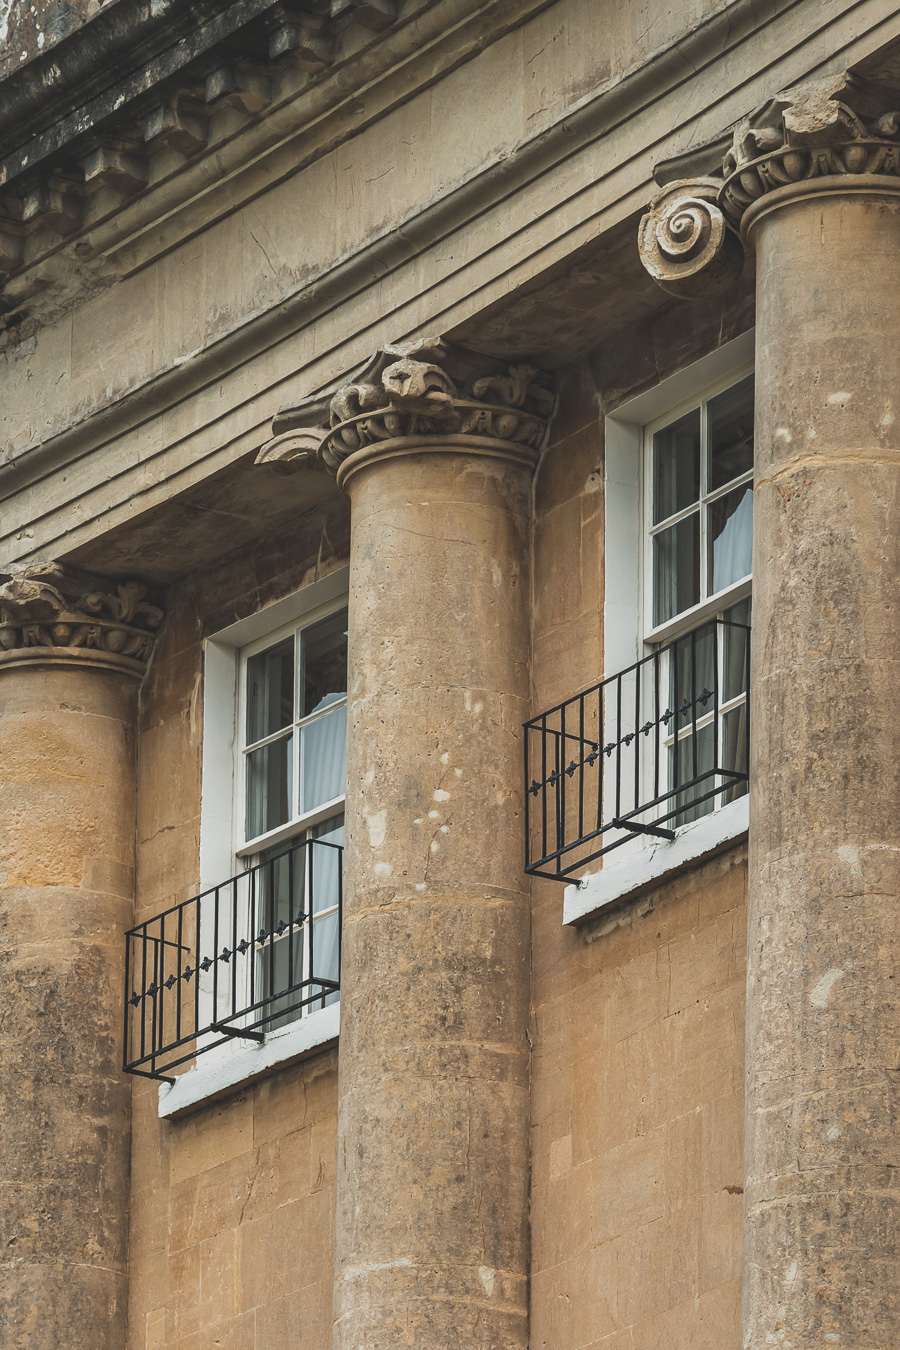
(561, 783)
(526, 731)
(656, 726)
(748, 639)
(340, 913)
(618, 746)
(718, 633)
(637, 739)
(601, 737)
(178, 985)
(161, 982)
(270, 929)
(290, 866)
(234, 943)
(311, 920)
(154, 1006)
(126, 1028)
(215, 956)
(143, 1003)
(197, 903)
(676, 719)
(544, 786)
(252, 900)
(694, 703)
(581, 745)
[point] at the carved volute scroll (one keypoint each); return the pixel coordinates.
(691, 239)
(415, 391)
(49, 613)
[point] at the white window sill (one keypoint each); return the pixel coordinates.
(692, 844)
(215, 1075)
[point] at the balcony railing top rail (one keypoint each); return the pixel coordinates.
(243, 957)
(640, 753)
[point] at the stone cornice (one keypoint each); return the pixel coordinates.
(50, 614)
(830, 135)
(177, 118)
(423, 394)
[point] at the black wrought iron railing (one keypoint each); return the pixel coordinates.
(654, 747)
(242, 958)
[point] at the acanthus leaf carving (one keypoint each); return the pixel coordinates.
(49, 607)
(427, 388)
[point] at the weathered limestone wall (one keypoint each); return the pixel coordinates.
(66, 896)
(232, 1207)
(637, 1111)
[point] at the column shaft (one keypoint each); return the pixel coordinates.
(66, 894)
(822, 1219)
(432, 1233)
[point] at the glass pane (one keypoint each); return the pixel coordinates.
(692, 674)
(676, 568)
(323, 661)
(269, 773)
(270, 684)
(325, 956)
(323, 752)
(280, 968)
(734, 750)
(735, 650)
(676, 466)
(730, 434)
(326, 863)
(694, 760)
(280, 884)
(730, 532)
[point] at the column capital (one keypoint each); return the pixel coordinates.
(837, 135)
(414, 397)
(50, 614)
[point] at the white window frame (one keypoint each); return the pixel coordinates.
(299, 824)
(642, 861)
(223, 849)
(709, 606)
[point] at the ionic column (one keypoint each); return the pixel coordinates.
(812, 185)
(432, 1210)
(70, 659)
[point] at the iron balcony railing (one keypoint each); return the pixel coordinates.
(242, 958)
(642, 752)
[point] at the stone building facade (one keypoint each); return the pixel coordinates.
(405, 941)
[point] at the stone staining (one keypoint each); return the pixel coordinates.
(418, 389)
(690, 240)
(812, 182)
(435, 448)
(49, 613)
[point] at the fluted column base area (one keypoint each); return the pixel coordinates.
(822, 1229)
(432, 1232)
(66, 894)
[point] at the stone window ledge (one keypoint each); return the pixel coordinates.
(216, 1075)
(657, 863)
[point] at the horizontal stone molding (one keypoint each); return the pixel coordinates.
(412, 398)
(837, 135)
(49, 614)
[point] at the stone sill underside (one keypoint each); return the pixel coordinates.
(657, 863)
(217, 1074)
